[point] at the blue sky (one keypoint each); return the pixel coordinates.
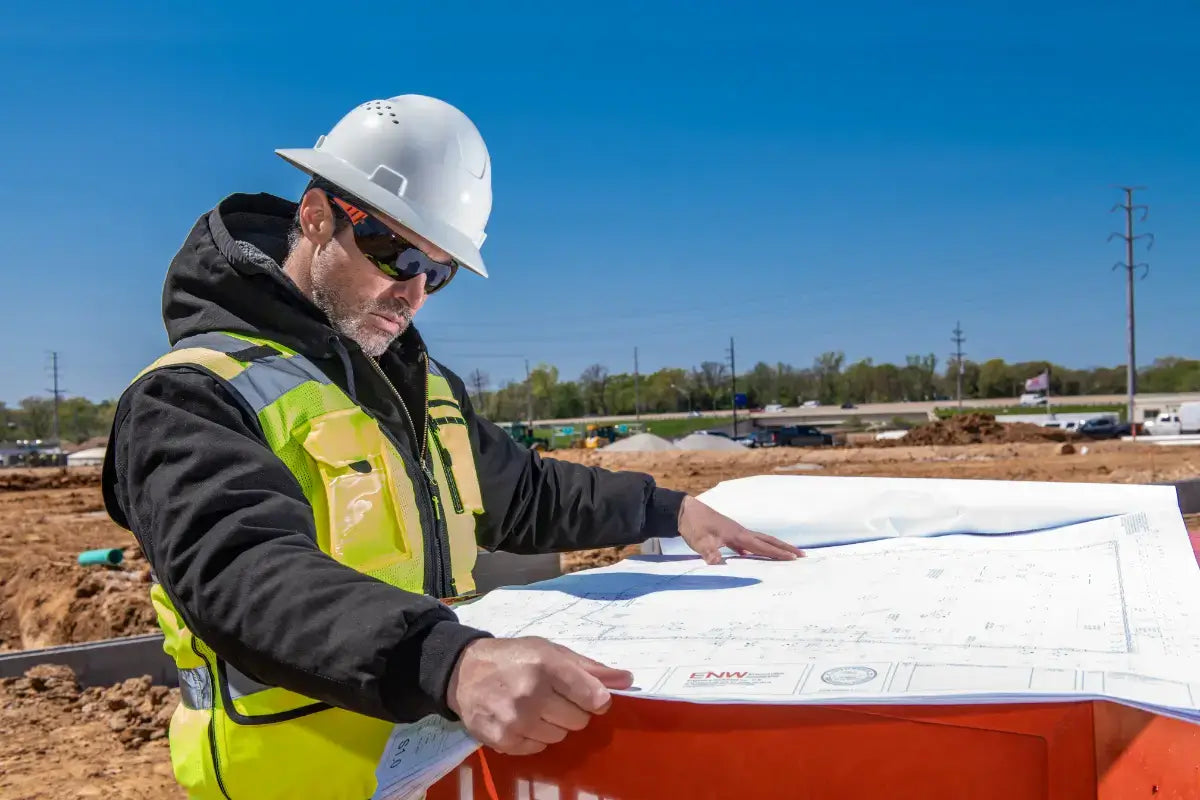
(798, 176)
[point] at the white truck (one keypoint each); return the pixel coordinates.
(1185, 420)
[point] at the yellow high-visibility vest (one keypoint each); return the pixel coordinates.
(232, 737)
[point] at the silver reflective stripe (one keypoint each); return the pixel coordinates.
(195, 688)
(264, 380)
(241, 684)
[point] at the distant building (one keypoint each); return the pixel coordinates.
(91, 457)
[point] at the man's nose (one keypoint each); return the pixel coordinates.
(412, 290)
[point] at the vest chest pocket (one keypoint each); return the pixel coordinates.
(364, 525)
(449, 434)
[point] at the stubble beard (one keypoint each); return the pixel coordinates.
(352, 317)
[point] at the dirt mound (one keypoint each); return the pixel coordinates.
(136, 710)
(977, 429)
(704, 441)
(45, 603)
(28, 480)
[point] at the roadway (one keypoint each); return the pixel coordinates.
(832, 415)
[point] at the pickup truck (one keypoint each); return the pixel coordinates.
(791, 436)
(1106, 428)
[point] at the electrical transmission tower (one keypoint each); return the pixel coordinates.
(57, 392)
(528, 396)
(637, 395)
(957, 356)
(733, 386)
(1130, 265)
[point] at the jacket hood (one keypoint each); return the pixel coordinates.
(227, 276)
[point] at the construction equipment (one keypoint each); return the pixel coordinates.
(523, 433)
(602, 435)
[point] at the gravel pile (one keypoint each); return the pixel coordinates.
(704, 441)
(640, 443)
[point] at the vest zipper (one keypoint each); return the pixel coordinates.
(447, 468)
(437, 547)
(212, 718)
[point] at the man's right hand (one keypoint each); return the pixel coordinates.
(517, 696)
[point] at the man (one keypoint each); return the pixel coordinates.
(308, 484)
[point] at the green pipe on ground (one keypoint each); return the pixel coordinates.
(109, 556)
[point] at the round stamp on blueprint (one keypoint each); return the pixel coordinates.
(848, 676)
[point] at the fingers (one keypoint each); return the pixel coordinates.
(537, 734)
(760, 544)
(791, 548)
(574, 681)
(610, 677)
(539, 730)
(564, 714)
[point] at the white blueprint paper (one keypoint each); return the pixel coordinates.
(418, 755)
(820, 510)
(1106, 609)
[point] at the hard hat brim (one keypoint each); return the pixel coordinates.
(338, 172)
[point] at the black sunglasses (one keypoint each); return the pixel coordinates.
(394, 255)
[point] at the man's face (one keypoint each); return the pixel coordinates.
(361, 301)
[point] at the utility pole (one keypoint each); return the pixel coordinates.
(528, 396)
(1130, 265)
(637, 398)
(733, 386)
(958, 357)
(57, 392)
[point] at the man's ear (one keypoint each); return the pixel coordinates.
(316, 217)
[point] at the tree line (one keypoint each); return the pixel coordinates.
(79, 419)
(829, 380)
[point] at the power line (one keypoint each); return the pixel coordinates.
(1130, 265)
(958, 340)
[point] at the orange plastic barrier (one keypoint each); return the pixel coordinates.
(654, 750)
(661, 750)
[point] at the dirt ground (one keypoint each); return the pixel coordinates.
(46, 598)
(57, 741)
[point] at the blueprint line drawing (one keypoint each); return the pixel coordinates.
(979, 617)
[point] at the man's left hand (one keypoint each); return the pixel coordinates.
(706, 531)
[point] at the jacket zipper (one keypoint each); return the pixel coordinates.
(436, 546)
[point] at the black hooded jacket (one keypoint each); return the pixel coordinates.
(230, 535)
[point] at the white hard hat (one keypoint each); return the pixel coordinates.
(418, 160)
